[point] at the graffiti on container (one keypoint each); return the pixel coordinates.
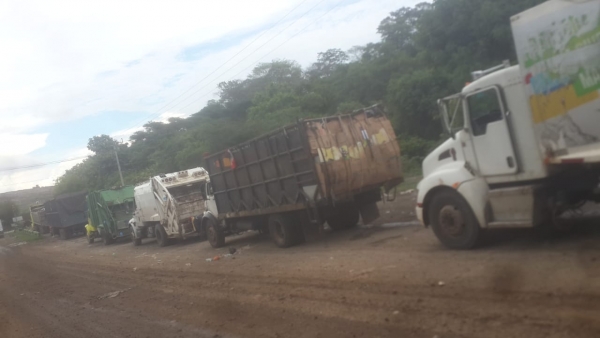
(357, 151)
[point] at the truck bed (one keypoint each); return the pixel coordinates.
(66, 210)
(321, 161)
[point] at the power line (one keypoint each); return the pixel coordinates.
(238, 53)
(17, 183)
(274, 49)
(43, 164)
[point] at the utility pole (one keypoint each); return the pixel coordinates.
(119, 166)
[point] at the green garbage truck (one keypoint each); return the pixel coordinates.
(109, 212)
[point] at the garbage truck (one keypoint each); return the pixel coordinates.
(169, 206)
(524, 145)
(299, 176)
(109, 212)
(38, 218)
(66, 214)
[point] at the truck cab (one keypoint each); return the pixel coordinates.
(524, 146)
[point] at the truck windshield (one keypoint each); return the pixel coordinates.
(188, 193)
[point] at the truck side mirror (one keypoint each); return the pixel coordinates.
(446, 125)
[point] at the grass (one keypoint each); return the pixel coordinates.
(26, 236)
(409, 183)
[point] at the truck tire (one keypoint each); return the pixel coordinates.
(345, 217)
(64, 233)
(214, 233)
(453, 221)
(284, 231)
(161, 236)
(136, 241)
(108, 240)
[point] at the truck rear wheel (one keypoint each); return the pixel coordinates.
(161, 236)
(345, 217)
(214, 233)
(453, 221)
(284, 231)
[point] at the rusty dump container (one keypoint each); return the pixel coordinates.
(318, 162)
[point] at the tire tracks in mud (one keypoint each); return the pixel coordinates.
(271, 305)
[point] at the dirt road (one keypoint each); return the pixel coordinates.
(387, 280)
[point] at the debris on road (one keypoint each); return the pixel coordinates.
(232, 250)
(441, 283)
(188, 264)
(17, 244)
(113, 294)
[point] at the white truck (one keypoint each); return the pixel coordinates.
(525, 140)
(169, 206)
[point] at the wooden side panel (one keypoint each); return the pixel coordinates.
(354, 153)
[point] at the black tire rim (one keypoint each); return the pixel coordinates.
(452, 221)
(278, 231)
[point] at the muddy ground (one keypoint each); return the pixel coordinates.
(383, 280)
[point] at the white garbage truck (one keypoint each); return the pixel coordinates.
(524, 146)
(169, 206)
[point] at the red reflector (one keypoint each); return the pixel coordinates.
(572, 160)
(420, 205)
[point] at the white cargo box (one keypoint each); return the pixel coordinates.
(558, 47)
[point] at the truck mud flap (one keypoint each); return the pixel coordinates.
(369, 212)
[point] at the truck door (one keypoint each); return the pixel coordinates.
(211, 204)
(490, 133)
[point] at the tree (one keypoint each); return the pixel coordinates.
(102, 144)
(8, 210)
(328, 62)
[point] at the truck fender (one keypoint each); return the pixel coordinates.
(455, 177)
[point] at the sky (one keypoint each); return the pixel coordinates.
(74, 69)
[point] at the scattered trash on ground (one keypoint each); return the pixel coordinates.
(396, 313)
(113, 294)
(441, 283)
(409, 191)
(188, 264)
(17, 244)
(134, 269)
(232, 252)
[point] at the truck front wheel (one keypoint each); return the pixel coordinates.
(214, 233)
(64, 233)
(453, 221)
(283, 230)
(136, 241)
(107, 238)
(161, 236)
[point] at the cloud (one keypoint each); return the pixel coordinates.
(41, 175)
(20, 144)
(124, 134)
